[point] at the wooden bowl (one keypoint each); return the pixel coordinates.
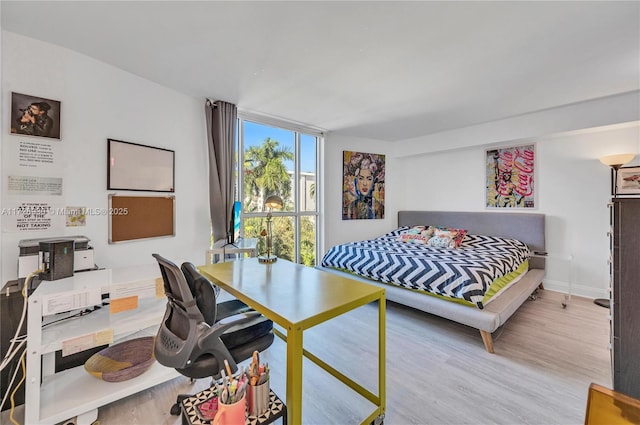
(122, 361)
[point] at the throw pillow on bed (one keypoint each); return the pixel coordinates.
(447, 237)
(416, 234)
(412, 238)
(441, 242)
(459, 237)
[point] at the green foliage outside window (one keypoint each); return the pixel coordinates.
(265, 174)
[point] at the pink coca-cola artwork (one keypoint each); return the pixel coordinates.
(510, 177)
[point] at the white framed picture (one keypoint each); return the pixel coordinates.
(510, 177)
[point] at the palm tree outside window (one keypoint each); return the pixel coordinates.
(276, 160)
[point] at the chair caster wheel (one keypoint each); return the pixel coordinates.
(176, 408)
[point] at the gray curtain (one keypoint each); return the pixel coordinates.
(221, 135)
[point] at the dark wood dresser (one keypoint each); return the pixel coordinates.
(625, 306)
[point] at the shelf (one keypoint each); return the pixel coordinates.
(54, 397)
(74, 391)
(102, 279)
(149, 313)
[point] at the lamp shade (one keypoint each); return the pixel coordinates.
(273, 202)
(617, 161)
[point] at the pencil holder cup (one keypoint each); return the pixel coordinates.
(232, 414)
(258, 398)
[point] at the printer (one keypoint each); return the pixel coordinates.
(30, 258)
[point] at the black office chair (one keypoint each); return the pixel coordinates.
(197, 334)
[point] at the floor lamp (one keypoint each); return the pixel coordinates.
(615, 162)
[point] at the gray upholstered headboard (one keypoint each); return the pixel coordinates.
(525, 227)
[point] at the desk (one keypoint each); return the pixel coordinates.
(222, 248)
(297, 298)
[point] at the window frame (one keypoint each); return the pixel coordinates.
(296, 214)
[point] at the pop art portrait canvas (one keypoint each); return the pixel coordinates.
(363, 186)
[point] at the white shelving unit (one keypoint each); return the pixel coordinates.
(59, 396)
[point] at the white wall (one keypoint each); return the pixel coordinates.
(100, 102)
(585, 115)
(2, 129)
(337, 230)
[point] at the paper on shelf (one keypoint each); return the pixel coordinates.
(85, 342)
(141, 289)
(159, 288)
(70, 300)
(123, 304)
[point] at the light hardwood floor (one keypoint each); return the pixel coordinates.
(438, 372)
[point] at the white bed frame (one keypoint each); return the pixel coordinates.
(526, 227)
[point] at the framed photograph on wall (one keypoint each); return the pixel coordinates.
(35, 116)
(628, 181)
(510, 177)
(362, 185)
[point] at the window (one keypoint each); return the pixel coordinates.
(277, 160)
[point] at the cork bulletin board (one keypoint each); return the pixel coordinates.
(140, 217)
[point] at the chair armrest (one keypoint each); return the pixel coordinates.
(209, 340)
(239, 317)
(231, 323)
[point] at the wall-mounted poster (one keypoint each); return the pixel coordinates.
(75, 216)
(510, 177)
(31, 215)
(34, 185)
(35, 116)
(362, 186)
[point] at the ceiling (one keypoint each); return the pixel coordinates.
(372, 69)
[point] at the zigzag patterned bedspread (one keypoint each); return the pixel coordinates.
(465, 272)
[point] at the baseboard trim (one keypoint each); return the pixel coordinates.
(579, 290)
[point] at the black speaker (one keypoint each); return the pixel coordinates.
(57, 259)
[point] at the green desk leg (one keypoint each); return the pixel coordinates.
(294, 375)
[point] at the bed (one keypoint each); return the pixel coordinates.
(492, 228)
